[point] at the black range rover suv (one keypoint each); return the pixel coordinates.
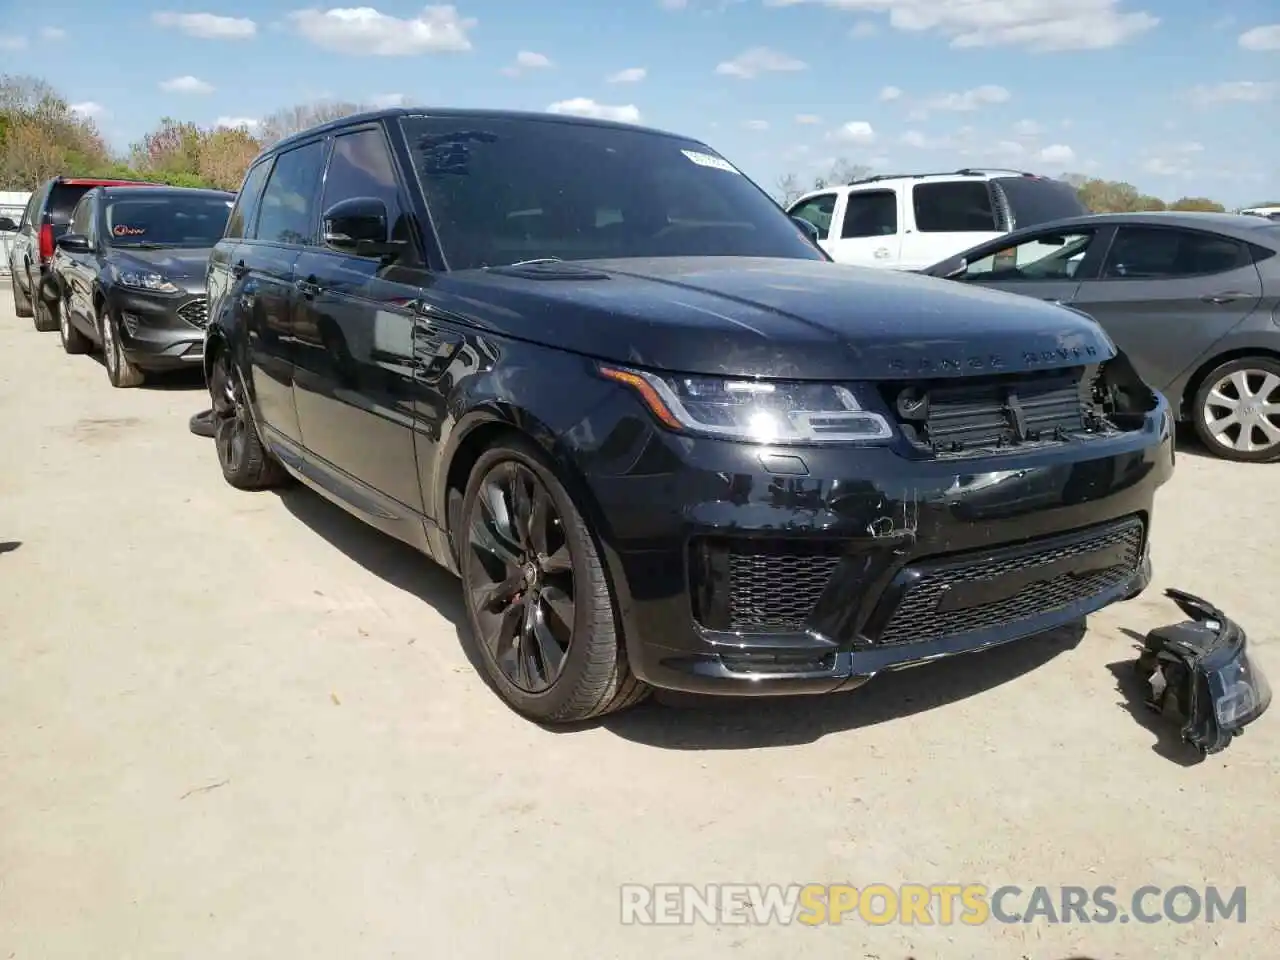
(596, 372)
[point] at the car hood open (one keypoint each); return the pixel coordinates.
(802, 319)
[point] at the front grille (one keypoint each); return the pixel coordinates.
(966, 416)
(773, 586)
(1115, 548)
(195, 313)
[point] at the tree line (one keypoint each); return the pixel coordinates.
(42, 137)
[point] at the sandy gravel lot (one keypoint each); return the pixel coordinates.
(238, 725)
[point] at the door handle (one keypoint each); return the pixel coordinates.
(1226, 297)
(238, 269)
(308, 288)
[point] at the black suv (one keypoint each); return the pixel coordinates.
(45, 219)
(599, 374)
(131, 271)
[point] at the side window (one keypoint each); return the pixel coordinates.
(247, 202)
(29, 214)
(870, 213)
(80, 216)
(1152, 253)
(361, 165)
(818, 210)
(957, 206)
(288, 201)
(1045, 257)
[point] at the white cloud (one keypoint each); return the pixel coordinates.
(1056, 153)
(187, 84)
(964, 101)
(234, 123)
(365, 31)
(808, 119)
(12, 42)
(890, 93)
(528, 60)
(1262, 38)
(629, 75)
(53, 33)
(1237, 91)
(855, 131)
(88, 109)
(1162, 167)
(751, 63)
(387, 100)
(586, 107)
(1027, 128)
(1041, 25)
(863, 29)
(210, 26)
(757, 124)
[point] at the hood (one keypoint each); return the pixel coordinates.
(175, 263)
(802, 319)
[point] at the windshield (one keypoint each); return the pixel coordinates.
(166, 221)
(1036, 200)
(502, 191)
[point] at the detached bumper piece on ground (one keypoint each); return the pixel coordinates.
(1199, 670)
(201, 424)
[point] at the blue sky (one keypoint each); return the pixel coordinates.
(1177, 97)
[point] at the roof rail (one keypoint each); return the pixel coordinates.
(978, 171)
(966, 172)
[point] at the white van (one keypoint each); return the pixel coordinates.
(911, 221)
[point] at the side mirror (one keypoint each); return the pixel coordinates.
(359, 226)
(74, 243)
(809, 229)
(7, 224)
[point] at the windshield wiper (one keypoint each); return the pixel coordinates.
(142, 245)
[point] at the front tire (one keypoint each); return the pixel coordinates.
(538, 601)
(1236, 410)
(121, 372)
(73, 341)
(245, 461)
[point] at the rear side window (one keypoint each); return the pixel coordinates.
(247, 203)
(289, 199)
(1037, 200)
(63, 201)
(1153, 253)
(818, 211)
(79, 222)
(953, 207)
(870, 213)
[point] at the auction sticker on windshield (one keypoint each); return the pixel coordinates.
(707, 160)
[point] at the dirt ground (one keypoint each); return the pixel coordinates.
(238, 725)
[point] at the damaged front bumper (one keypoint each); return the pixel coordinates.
(1199, 671)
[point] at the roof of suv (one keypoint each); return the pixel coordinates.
(123, 190)
(388, 113)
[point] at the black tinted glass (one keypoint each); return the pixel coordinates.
(962, 206)
(361, 166)
(505, 190)
(285, 214)
(63, 200)
(247, 202)
(167, 221)
(1151, 253)
(870, 213)
(1034, 200)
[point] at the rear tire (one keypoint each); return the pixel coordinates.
(73, 341)
(245, 461)
(21, 302)
(1236, 410)
(44, 313)
(547, 669)
(121, 371)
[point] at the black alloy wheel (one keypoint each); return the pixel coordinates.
(537, 597)
(245, 461)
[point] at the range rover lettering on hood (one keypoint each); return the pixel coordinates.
(776, 318)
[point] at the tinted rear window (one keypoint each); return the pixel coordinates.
(63, 200)
(1034, 200)
(502, 190)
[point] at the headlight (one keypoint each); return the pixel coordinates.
(761, 411)
(145, 281)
